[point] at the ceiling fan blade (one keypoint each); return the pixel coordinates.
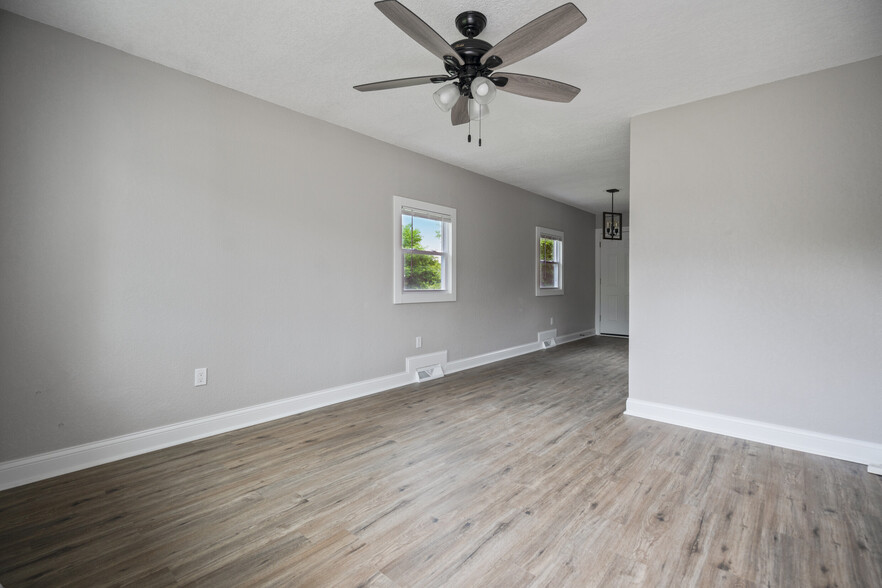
(537, 34)
(416, 29)
(535, 87)
(401, 83)
(459, 114)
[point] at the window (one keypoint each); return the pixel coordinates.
(549, 262)
(425, 243)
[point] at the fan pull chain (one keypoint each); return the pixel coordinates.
(480, 118)
(470, 130)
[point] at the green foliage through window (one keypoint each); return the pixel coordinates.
(422, 261)
(549, 263)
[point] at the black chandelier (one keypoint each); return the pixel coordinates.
(612, 221)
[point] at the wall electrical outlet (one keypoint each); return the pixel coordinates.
(419, 342)
(551, 321)
(201, 377)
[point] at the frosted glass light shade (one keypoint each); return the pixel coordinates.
(483, 90)
(477, 111)
(446, 96)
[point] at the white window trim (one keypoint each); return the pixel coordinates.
(399, 295)
(557, 235)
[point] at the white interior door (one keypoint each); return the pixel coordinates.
(614, 286)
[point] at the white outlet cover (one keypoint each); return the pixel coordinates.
(201, 377)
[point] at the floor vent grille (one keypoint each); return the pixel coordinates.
(432, 372)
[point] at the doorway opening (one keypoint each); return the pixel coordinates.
(612, 285)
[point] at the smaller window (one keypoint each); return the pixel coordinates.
(549, 262)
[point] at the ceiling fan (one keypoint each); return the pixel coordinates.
(471, 81)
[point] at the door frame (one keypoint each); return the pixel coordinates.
(598, 239)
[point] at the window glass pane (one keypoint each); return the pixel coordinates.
(549, 262)
(422, 271)
(548, 275)
(546, 249)
(422, 234)
(430, 234)
(406, 231)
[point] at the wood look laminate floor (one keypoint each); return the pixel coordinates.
(520, 473)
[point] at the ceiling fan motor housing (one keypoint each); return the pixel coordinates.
(471, 51)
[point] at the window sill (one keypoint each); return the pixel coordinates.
(420, 297)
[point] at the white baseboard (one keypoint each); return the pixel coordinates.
(561, 339)
(54, 463)
(492, 357)
(788, 437)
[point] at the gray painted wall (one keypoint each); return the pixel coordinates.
(152, 223)
(771, 308)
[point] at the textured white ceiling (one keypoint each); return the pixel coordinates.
(630, 58)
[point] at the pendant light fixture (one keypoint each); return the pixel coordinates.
(612, 221)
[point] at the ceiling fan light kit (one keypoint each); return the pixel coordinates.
(483, 90)
(477, 110)
(470, 81)
(446, 96)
